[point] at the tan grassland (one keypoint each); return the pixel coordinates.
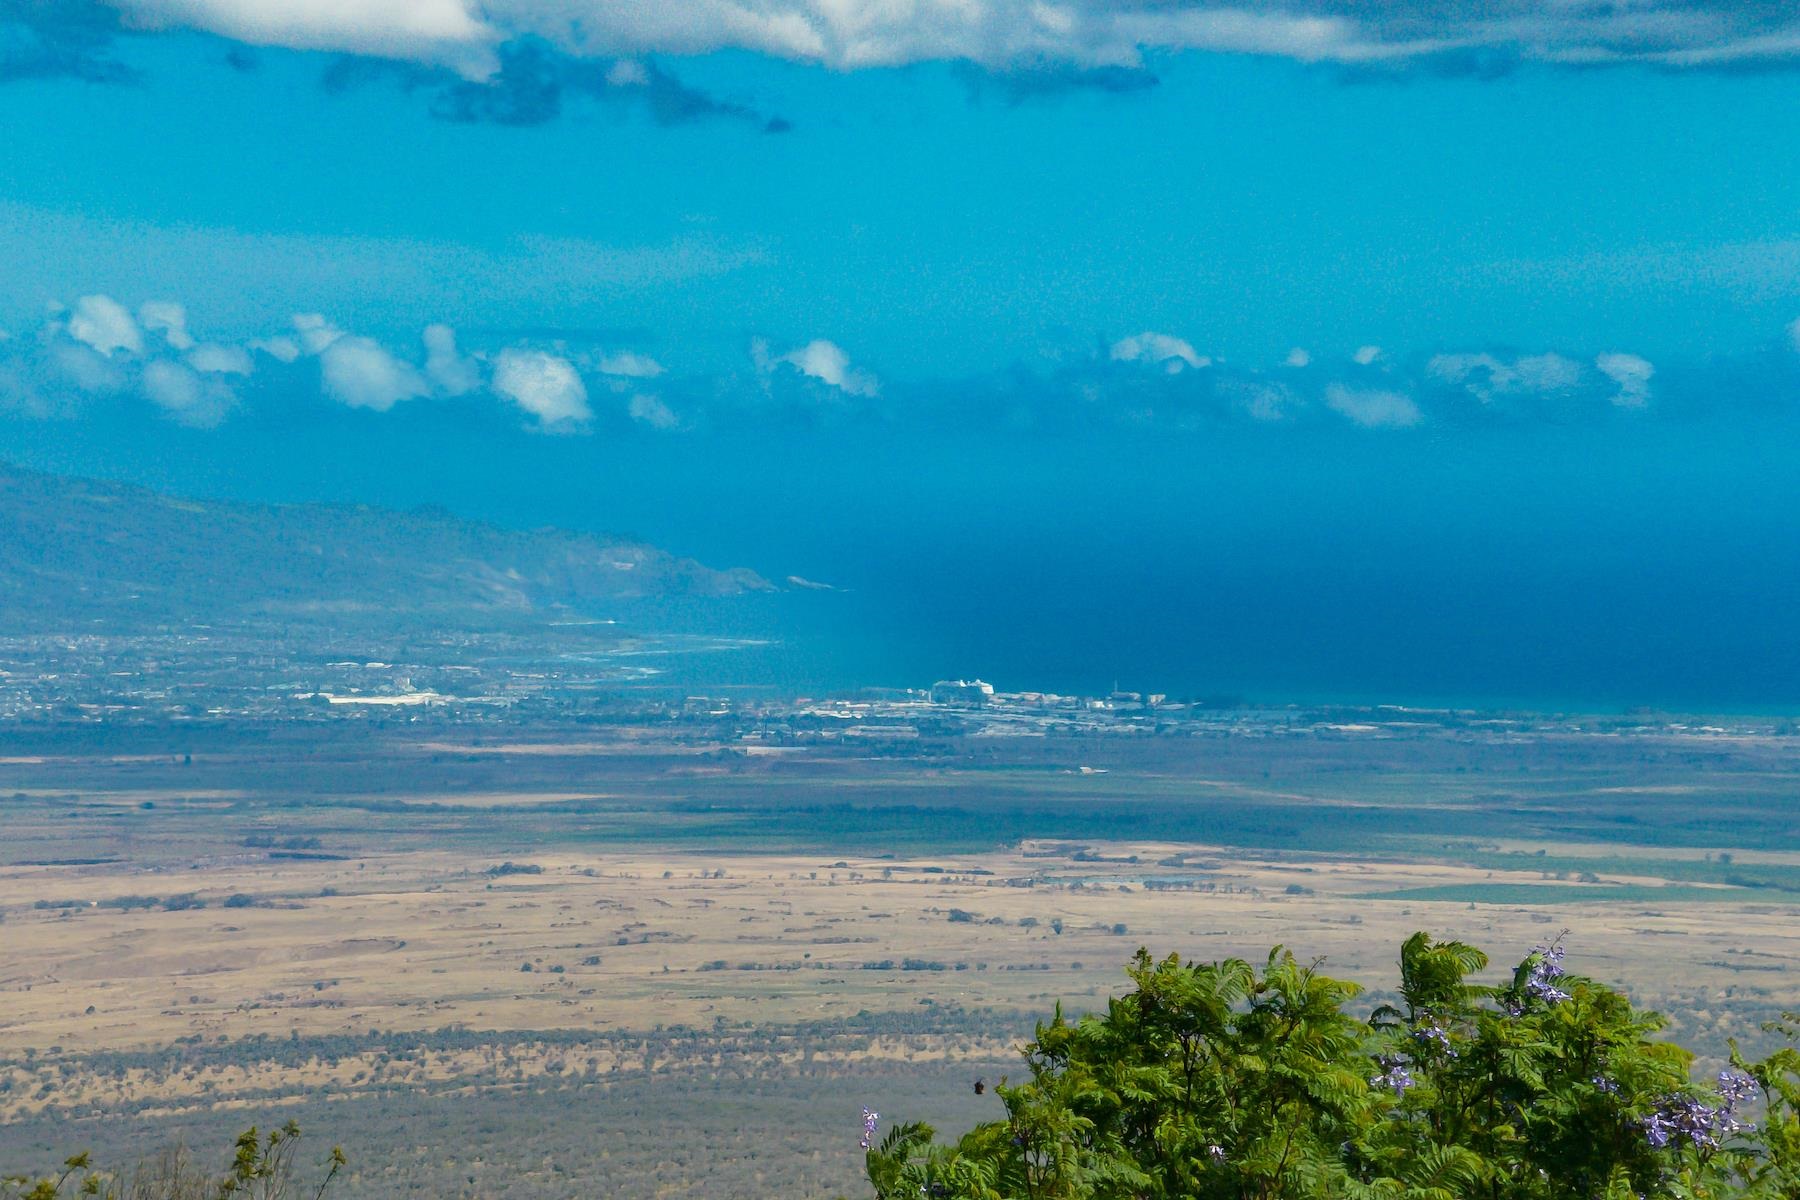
(422, 940)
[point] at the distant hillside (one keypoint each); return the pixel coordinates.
(78, 546)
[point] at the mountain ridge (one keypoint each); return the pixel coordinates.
(77, 546)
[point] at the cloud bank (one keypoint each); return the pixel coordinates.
(1170, 353)
(99, 351)
(823, 361)
(1469, 35)
(1372, 408)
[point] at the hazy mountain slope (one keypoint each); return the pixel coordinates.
(76, 545)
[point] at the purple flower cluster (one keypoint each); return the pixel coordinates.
(1735, 1087)
(870, 1116)
(1431, 1034)
(1393, 1075)
(1682, 1118)
(1541, 979)
(1686, 1119)
(1216, 1153)
(1540, 984)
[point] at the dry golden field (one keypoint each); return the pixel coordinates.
(421, 940)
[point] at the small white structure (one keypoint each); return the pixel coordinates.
(966, 693)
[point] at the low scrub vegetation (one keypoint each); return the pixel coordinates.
(262, 1167)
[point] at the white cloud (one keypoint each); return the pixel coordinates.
(360, 373)
(1487, 377)
(1372, 409)
(544, 385)
(87, 369)
(1263, 401)
(451, 372)
(215, 359)
(1547, 372)
(316, 333)
(171, 385)
(1365, 355)
(862, 33)
(169, 319)
(1632, 374)
(1166, 350)
(1483, 375)
(1297, 357)
(438, 31)
(104, 324)
(184, 396)
(822, 360)
(631, 365)
(281, 348)
(648, 410)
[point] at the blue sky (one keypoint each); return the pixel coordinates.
(938, 275)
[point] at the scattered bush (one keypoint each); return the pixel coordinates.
(262, 1168)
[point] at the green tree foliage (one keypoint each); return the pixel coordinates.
(262, 1168)
(1227, 1081)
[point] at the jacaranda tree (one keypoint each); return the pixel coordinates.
(1222, 1080)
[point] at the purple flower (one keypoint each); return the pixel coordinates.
(1735, 1088)
(1546, 969)
(1679, 1118)
(1433, 1034)
(1393, 1075)
(1216, 1153)
(1603, 1084)
(1542, 971)
(870, 1116)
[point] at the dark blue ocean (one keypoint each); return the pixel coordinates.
(1611, 562)
(1467, 632)
(1539, 569)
